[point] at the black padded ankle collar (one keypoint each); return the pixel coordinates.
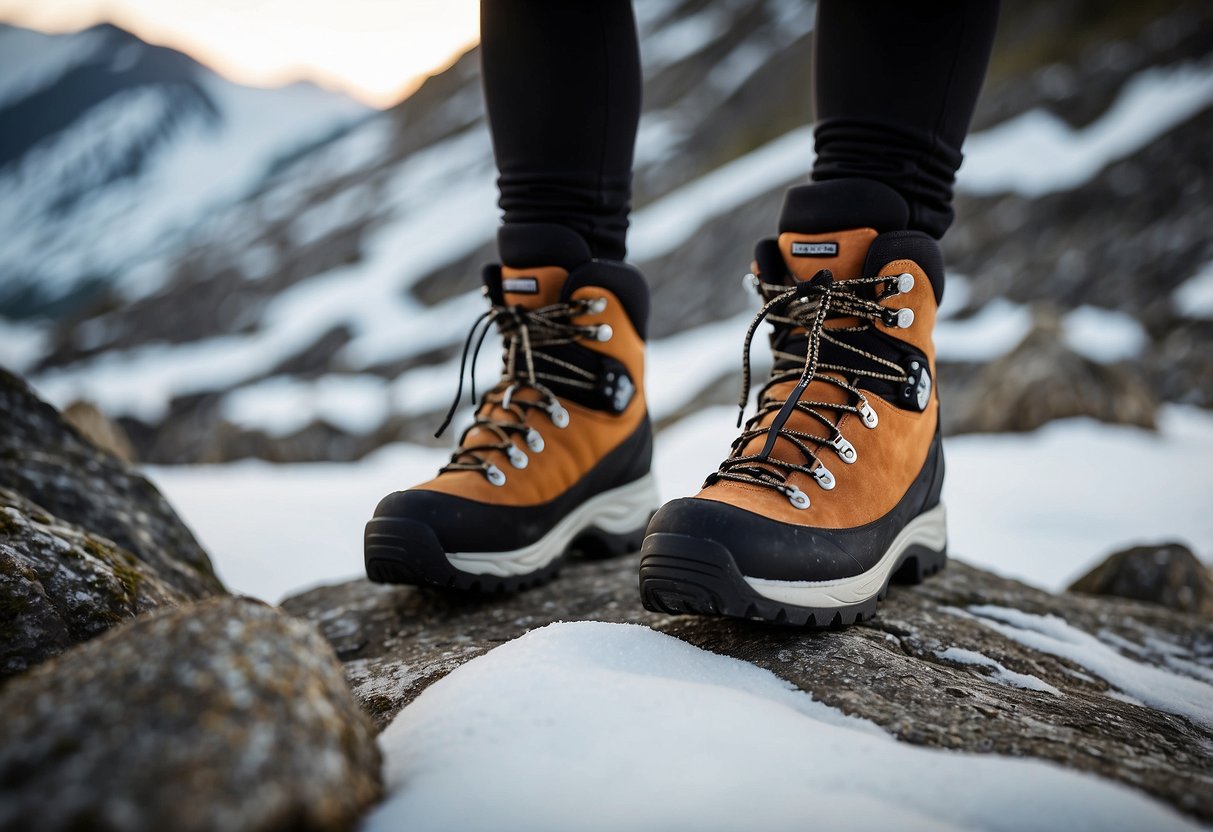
(534, 245)
(841, 204)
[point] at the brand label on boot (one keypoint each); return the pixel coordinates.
(520, 285)
(814, 249)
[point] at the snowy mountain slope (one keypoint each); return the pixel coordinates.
(354, 266)
(111, 145)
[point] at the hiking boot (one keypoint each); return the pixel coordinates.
(832, 488)
(559, 453)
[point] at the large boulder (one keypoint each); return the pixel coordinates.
(48, 462)
(1042, 379)
(223, 715)
(1167, 574)
(60, 585)
(966, 661)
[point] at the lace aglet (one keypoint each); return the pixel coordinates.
(740, 414)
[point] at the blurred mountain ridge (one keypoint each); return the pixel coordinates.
(110, 143)
(317, 317)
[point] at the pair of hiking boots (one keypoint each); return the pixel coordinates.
(831, 490)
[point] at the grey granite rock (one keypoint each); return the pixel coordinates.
(1043, 379)
(60, 584)
(223, 715)
(1167, 574)
(939, 665)
(46, 461)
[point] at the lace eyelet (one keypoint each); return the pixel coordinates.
(494, 475)
(534, 441)
(846, 451)
(870, 419)
(596, 306)
(604, 333)
(797, 498)
(517, 458)
(558, 415)
(824, 478)
(903, 318)
(905, 282)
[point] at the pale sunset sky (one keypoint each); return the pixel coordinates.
(376, 50)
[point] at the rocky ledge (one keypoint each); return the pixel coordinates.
(137, 696)
(966, 661)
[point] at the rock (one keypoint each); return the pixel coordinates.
(221, 715)
(1167, 574)
(60, 585)
(945, 664)
(94, 426)
(47, 462)
(1043, 379)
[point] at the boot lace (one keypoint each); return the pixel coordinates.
(526, 334)
(809, 304)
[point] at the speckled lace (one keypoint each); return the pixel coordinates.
(809, 304)
(500, 415)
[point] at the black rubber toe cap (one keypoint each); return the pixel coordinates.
(461, 525)
(761, 547)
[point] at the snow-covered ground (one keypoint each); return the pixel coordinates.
(594, 726)
(1042, 507)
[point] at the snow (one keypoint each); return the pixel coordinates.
(34, 60)
(22, 344)
(667, 223)
(1194, 297)
(1002, 675)
(993, 331)
(1047, 506)
(1037, 153)
(593, 726)
(276, 529)
(1042, 507)
(281, 405)
(1156, 688)
(1104, 335)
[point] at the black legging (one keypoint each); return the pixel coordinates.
(895, 88)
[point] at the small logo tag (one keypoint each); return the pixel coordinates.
(814, 249)
(520, 285)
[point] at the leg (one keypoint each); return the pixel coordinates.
(558, 456)
(896, 84)
(562, 86)
(832, 490)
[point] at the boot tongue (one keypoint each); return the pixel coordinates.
(842, 252)
(810, 238)
(809, 241)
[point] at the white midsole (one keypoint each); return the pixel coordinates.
(928, 529)
(620, 510)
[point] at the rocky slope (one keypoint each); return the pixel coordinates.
(136, 695)
(224, 713)
(966, 661)
(316, 319)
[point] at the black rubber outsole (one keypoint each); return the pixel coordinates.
(684, 575)
(404, 552)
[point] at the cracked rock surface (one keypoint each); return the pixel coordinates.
(966, 661)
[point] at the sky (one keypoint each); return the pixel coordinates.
(376, 50)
